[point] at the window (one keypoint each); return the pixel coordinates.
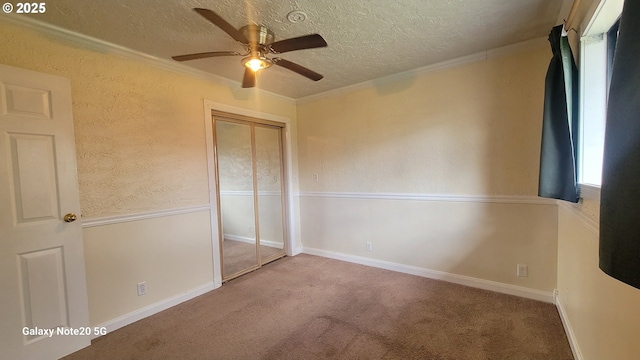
(597, 46)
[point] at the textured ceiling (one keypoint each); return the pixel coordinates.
(367, 39)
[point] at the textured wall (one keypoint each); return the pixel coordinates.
(139, 130)
(474, 129)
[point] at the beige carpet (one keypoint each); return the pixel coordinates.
(240, 255)
(308, 307)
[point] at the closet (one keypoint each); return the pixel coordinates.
(250, 184)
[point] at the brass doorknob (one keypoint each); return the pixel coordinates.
(70, 217)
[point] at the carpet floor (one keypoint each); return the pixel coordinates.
(240, 255)
(308, 307)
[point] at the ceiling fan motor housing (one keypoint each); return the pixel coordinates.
(257, 34)
(259, 37)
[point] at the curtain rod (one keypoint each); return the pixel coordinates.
(572, 14)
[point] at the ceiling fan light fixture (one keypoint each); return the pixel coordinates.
(257, 63)
(258, 41)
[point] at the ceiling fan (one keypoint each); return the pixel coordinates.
(258, 42)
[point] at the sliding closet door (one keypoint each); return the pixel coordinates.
(236, 195)
(250, 170)
(269, 185)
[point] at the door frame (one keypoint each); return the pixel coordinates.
(292, 244)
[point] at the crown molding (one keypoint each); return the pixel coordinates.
(518, 47)
(469, 59)
(105, 47)
(565, 8)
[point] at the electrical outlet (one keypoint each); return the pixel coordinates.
(315, 177)
(369, 246)
(142, 288)
(522, 270)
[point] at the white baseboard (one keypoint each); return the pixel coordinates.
(573, 342)
(149, 310)
(248, 240)
(520, 291)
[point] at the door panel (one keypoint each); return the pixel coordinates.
(250, 174)
(24, 101)
(235, 181)
(42, 274)
(269, 180)
(43, 290)
(34, 177)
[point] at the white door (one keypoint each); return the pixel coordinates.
(42, 274)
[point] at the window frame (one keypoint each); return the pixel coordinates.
(595, 63)
(612, 40)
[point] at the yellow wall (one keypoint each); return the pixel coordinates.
(471, 130)
(602, 313)
(172, 254)
(140, 141)
(468, 130)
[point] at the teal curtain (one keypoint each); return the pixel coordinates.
(620, 192)
(558, 165)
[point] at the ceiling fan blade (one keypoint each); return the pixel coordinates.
(222, 24)
(298, 43)
(205, 55)
(249, 79)
(298, 68)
